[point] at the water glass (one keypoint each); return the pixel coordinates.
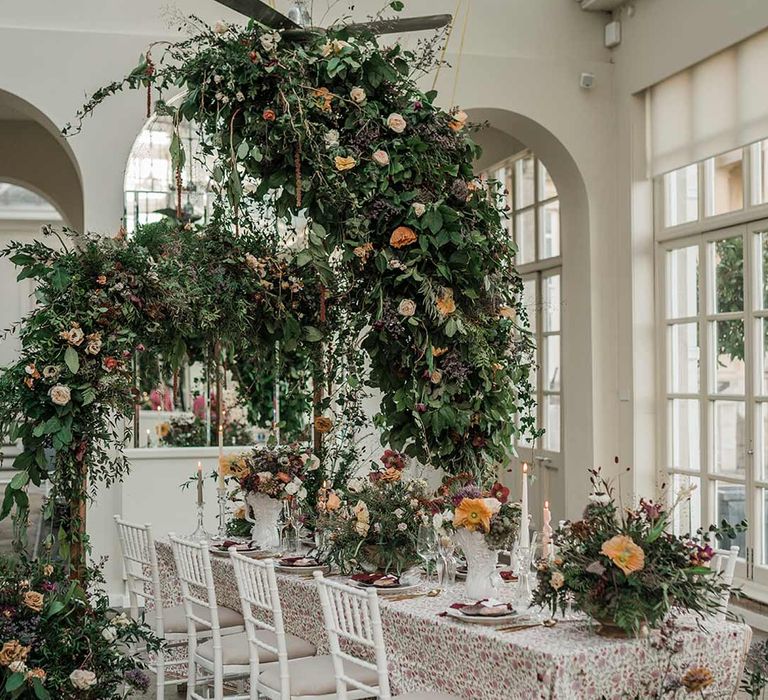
(426, 547)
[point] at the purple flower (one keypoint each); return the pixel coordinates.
(421, 408)
(470, 491)
(138, 679)
(418, 104)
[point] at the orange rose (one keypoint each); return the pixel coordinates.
(624, 553)
(333, 502)
(282, 476)
(473, 514)
(324, 98)
(402, 236)
(391, 475)
(34, 600)
(323, 424)
(269, 114)
(344, 163)
(445, 303)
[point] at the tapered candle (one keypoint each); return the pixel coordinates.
(546, 531)
(200, 483)
(523, 540)
(221, 456)
(149, 439)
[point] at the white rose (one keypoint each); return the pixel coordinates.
(83, 679)
(419, 209)
(357, 95)
(293, 487)
(362, 527)
(221, 27)
(402, 527)
(17, 667)
(109, 633)
(265, 476)
(217, 79)
(380, 158)
(437, 521)
(398, 513)
(396, 123)
(331, 138)
(93, 347)
(121, 620)
(356, 484)
(602, 499)
(407, 307)
(239, 96)
(60, 394)
(270, 41)
(377, 527)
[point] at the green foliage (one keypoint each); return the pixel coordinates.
(54, 626)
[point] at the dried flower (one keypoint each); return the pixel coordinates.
(34, 600)
(445, 303)
(344, 163)
(323, 98)
(402, 236)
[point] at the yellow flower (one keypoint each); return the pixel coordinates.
(34, 600)
(233, 465)
(402, 236)
(624, 553)
(445, 303)
(344, 163)
(162, 429)
(473, 514)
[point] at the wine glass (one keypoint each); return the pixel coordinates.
(426, 546)
(446, 562)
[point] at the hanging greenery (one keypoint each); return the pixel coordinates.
(401, 281)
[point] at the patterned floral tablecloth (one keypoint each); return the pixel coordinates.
(567, 662)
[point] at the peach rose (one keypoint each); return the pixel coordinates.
(402, 236)
(333, 502)
(38, 673)
(407, 308)
(60, 394)
(344, 163)
(380, 158)
(13, 651)
(324, 98)
(458, 121)
(34, 600)
(74, 336)
(357, 95)
(445, 303)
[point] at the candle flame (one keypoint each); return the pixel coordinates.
(525, 468)
(199, 466)
(546, 504)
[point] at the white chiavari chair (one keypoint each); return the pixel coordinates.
(142, 574)
(264, 642)
(724, 563)
(353, 615)
(204, 615)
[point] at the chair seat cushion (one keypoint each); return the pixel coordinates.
(314, 676)
(175, 619)
(234, 648)
(426, 695)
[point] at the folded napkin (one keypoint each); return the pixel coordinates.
(377, 579)
(486, 607)
(299, 561)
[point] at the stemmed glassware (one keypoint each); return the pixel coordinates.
(426, 547)
(446, 562)
(289, 528)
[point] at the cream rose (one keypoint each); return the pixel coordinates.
(419, 209)
(74, 336)
(270, 41)
(94, 344)
(357, 95)
(331, 138)
(380, 158)
(83, 679)
(407, 307)
(556, 580)
(396, 122)
(221, 27)
(60, 394)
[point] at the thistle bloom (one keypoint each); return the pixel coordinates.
(624, 553)
(473, 514)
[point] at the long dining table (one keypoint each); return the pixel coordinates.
(427, 650)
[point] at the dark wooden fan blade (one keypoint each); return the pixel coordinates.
(401, 25)
(261, 12)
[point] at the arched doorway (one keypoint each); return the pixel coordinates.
(549, 216)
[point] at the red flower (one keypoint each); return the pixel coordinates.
(500, 492)
(269, 114)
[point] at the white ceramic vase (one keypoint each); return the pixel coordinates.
(482, 578)
(263, 512)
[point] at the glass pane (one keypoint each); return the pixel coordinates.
(727, 259)
(551, 416)
(763, 270)
(765, 526)
(683, 282)
(730, 505)
(683, 346)
(762, 357)
(552, 363)
(723, 182)
(681, 196)
(728, 373)
(529, 300)
(761, 440)
(684, 445)
(549, 245)
(547, 187)
(728, 438)
(525, 237)
(687, 515)
(758, 153)
(524, 182)
(551, 303)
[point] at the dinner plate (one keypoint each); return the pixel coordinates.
(387, 590)
(487, 621)
(301, 568)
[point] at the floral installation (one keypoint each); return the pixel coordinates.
(372, 525)
(755, 677)
(625, 568)
(59, 640)
(277, 472)
(461, 504)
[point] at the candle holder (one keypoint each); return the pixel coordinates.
(221, 497)
(200, 534)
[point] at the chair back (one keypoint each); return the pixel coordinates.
(257, 587)
(142, 573)
(193, 567)
(724, 563)
(353, 615)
